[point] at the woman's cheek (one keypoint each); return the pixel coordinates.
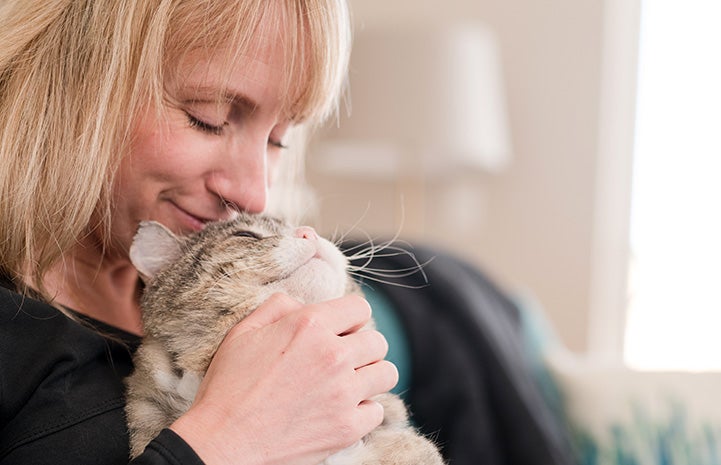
(274, 167)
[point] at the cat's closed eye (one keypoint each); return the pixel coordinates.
(250, 234)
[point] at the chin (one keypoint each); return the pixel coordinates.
(316, 281)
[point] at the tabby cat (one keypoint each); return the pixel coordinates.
(228, 269)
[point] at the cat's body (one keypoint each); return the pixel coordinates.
(200, 286)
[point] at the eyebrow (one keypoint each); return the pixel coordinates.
(235, 98)
(208, 94)
(241, 100)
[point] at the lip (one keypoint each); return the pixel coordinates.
(189, 220)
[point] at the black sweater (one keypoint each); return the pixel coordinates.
(61, 391)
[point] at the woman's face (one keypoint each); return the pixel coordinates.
(208, 156)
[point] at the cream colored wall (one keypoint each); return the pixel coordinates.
(531, 225)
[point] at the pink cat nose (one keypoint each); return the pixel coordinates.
(306, 232)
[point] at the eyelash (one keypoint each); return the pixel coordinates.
(203, 126)
(277, 144)
(218, 130)
(249, 234)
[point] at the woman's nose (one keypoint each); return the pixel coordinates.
(306, 232)
(242, 178)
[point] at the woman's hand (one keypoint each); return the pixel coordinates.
(290, 384)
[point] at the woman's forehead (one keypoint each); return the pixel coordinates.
(306, 47)
(253, 80)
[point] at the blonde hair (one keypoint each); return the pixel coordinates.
(74, 72)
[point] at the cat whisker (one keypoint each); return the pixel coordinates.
(387, 272)
(374, 253)
(401, 272)
(354, 227)
(392, 275)
(368, 254)
(361, 246)
(374, 249)
(383, 281)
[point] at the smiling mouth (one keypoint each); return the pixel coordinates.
(196, 222)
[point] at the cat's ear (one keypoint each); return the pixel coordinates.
(154, 247)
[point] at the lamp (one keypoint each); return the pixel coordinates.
(425, 101)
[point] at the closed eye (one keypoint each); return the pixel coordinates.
(204, 126)
(277, 144)
(250, 234)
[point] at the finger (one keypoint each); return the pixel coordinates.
(376, 378)
(345, 315)
(365, 347)
(276, 307)
(370, 415)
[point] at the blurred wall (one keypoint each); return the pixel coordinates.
(529, 226)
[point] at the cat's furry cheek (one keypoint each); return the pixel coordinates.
(317, 289)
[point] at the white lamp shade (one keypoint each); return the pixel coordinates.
(432, 98)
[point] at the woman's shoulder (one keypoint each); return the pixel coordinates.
(22, 316)
(31, 327)
(60, 379)
(29, 330)
(20, 313)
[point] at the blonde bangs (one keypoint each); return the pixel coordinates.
(314, 36)
(317, 55)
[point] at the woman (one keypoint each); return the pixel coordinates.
(114, 112)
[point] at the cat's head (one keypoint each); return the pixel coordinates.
(229, 268)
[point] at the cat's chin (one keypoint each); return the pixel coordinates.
(315, 270)
(314, 281)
